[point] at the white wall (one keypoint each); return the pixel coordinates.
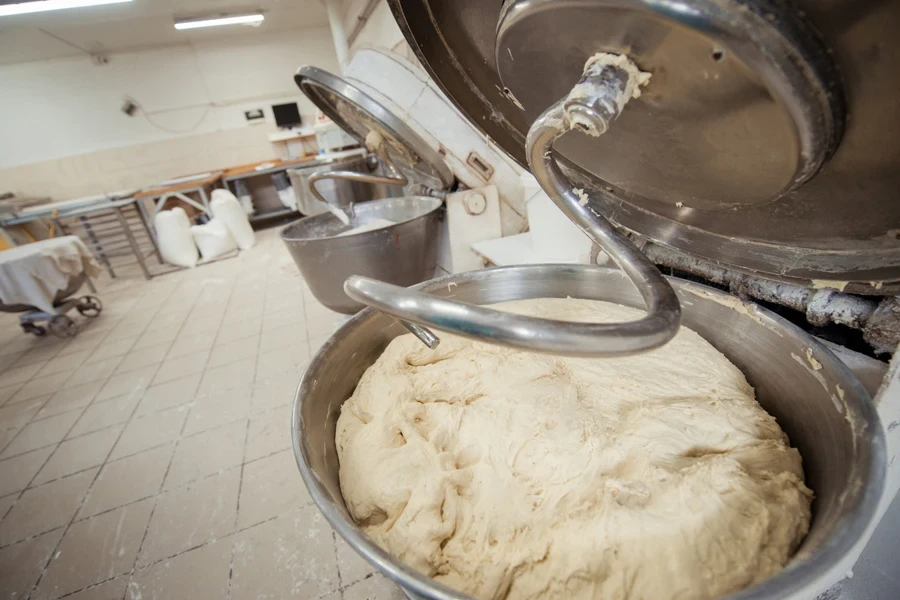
(62, 132)
(381, 30)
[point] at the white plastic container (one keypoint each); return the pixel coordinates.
(226, 207)
(213, 239)
(173, 233)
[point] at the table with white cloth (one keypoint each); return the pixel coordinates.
(34, 273)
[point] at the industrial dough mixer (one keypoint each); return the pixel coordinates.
(737, 162)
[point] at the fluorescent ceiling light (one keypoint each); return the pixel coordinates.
(22, 8)
(194, 24)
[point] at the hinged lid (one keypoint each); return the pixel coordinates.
(738, 150)
(360, 115)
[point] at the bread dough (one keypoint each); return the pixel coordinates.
(507, 474)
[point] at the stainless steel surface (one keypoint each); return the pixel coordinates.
(358, 114)
(841, 441)
(404, 253)
(576, 110)
(721, 129)
(338, 192)
(870, 372)
(744, 105)
(391, 177)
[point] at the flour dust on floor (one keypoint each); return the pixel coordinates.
(150, 456)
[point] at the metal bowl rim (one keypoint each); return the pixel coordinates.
(790, 580)
(436, 205)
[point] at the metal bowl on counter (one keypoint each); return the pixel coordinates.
(818, 402)
(404, 253)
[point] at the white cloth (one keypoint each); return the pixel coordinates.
(173, 235)
(225, 206)
(213, 239)
(34, 273)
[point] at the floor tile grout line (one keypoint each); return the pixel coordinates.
(197, 291)
(105, 381)
(206, 366)
(178, 487)
(151, 496)
(36, 419)
(128, 422)
(32, 485)
(20, 386)
(237, 511)
(153, 564)
(31, 537)
(24, 355)
(46, 460)
(87, 491)
(22, 428)
(33, 418)
(171, 459)
(81, 435)
(337, 562)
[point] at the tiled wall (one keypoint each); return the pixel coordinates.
(138, 165)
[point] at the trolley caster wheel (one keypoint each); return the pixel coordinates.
(34, 329)
(62, 326)
(89, 306)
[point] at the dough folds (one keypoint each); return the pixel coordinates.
(505, 474)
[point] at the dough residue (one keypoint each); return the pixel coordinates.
(507, 474)
(376, 223)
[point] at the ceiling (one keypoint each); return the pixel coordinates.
(141, 24)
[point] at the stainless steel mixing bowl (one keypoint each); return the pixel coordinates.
(826, 412)
(403, 254)
(339, 192)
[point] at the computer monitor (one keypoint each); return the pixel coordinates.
(286, 115)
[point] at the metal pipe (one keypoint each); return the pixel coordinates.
(338, 35)
(879, 320)
(362, 19)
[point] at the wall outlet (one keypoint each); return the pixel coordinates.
(255, 116)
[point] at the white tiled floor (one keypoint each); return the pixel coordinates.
(149, 457)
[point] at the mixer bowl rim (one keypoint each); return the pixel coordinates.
(793, 579)
(436, 204)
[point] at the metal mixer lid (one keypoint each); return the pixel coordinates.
(359, 114)
(731, 152)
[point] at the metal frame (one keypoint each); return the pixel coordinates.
(160, 201)
(111, 231)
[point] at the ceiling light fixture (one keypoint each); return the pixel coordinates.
(216, 21)
(35, 6)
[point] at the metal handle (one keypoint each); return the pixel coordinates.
(595, 101)
(394, 175)
(353, 176)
